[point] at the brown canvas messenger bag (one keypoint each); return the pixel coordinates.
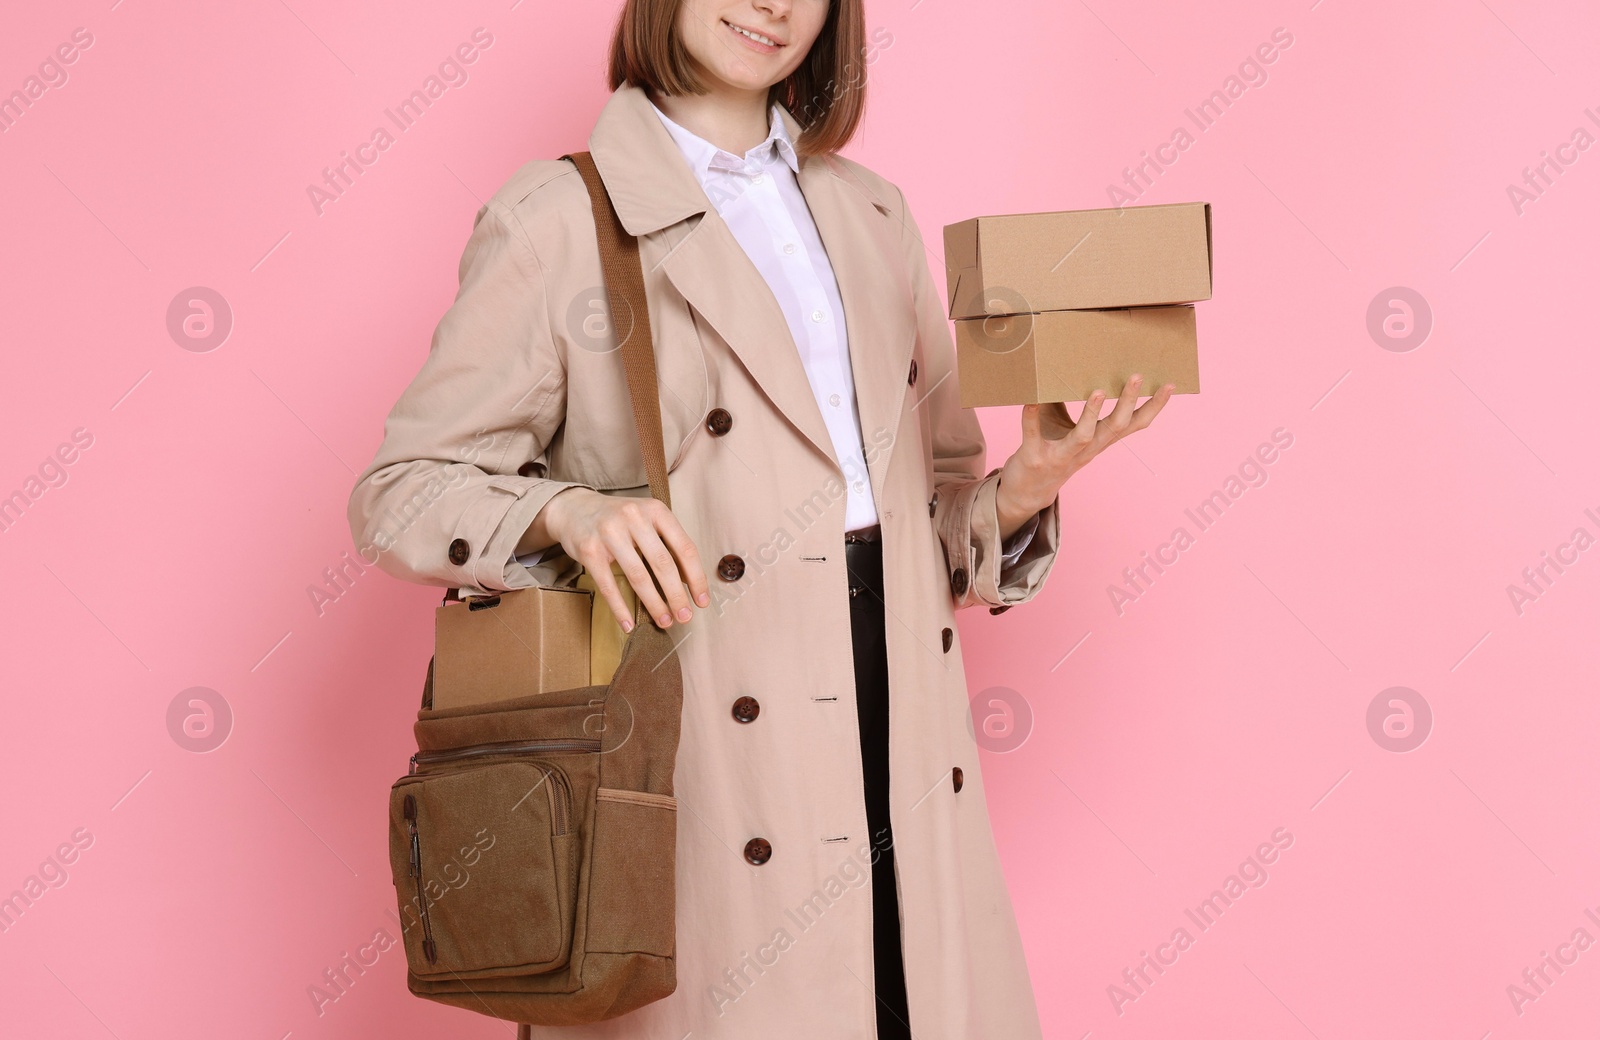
(533, 842)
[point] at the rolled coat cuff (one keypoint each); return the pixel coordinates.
(974, 526)
(1012, 548)
(500, 527)
(414, 539)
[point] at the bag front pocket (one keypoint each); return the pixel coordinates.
(632, 894)
(482, 859)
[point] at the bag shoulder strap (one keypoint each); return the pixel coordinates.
(630, 319)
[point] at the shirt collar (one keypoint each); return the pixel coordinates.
(704, 156)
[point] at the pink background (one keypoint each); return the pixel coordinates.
(1167, 742)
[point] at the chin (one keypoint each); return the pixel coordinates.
(740, 79)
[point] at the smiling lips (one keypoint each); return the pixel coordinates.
(755, 40)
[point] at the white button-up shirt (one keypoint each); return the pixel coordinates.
(758, 196)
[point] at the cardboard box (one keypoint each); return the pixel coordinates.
(1066, 355)
(533, 640)
(1132, 256)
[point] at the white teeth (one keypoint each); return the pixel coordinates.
(754, 36)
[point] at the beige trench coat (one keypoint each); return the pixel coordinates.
(519, 372)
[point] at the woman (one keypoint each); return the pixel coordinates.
(831, 513)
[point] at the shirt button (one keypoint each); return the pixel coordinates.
(745, 709)
(756, 179)
(858, 486)
(816, 315)
(788, 247)
(757, 851)
(833, 399)
(731, 568)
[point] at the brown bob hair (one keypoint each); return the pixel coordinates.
(826, 94)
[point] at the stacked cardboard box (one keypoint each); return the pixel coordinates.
(1052, 306)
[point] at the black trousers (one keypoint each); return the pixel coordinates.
(864, 562)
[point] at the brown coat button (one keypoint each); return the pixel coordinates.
(719, 421)
(1001, 609)
(757, 851)
(956, 778)
(949, 637)
(933, 503)
(958, 581)
(460, 551)
(730, 567)
(912, 378)
(745, 709)
(531, 469)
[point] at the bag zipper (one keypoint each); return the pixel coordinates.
(558, 805)
(429, 950)
(560, 802)
(504, 747)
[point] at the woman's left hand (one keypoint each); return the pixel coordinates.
(1054, 447)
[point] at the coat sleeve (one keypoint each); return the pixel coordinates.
(442, 502)
(965, 515)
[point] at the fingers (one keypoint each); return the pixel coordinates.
(665, 569)
(673, 558)
(1125, 417)
(691, 570)
(626, 553)
(598, 564)
(1151, 408)
(647, 543)
(1117, 421)
(1083, 431)
(1081, 441)
(1030, 422)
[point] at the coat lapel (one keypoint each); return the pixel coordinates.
(861, 237)
(711, 270)
(653, 190)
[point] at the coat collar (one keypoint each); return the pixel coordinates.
(649, 183)
(654, 190)
(704, 156)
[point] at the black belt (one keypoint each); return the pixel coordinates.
(862, 534)
(863, 563)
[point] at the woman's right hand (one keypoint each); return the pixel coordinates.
(596, 529)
